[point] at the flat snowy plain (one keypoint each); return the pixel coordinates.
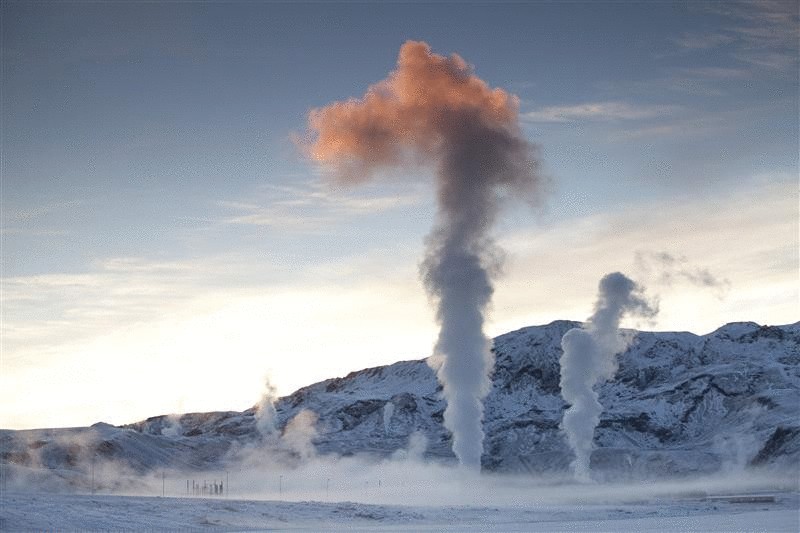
(778, 511)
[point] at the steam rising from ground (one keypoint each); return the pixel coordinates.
(432, 110)
(265, 415)
(590, 357)
(287, 467)
(298, 436)
(266, 472)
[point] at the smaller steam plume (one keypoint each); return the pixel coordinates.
(388, 412)
(266, 417)
(590, 357)
(172, 426)
(299, 434)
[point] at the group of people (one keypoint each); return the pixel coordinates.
(206, 489)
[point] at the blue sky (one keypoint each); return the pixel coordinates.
(150, 183)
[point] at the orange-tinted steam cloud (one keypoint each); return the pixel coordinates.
(412, 114)
(433, 110)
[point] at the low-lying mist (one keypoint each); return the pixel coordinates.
(285, 467)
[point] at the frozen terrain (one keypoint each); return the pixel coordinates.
(690, 421)
(41, 512)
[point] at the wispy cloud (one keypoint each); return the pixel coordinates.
(30, 232)
(679, 82)
(716, 73)
(311, 206)
(599, 111)
(699, 124)
(702, 41)
(763, 33)
(37, 212)
(764, 23)
(777, 61)
(32, 221)
(703, 81)
(45, 220)
(112, 294)
(268, 216)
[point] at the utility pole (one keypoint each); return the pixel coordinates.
(280, 484)
(163, 484)
(92, 474)
(227, 485)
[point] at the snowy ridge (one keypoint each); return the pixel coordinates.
(680, 404)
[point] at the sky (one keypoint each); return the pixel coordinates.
(166, 247)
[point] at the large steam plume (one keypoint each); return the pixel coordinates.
(590, 357)
(432, 110)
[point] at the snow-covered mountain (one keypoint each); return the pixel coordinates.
(679, 404)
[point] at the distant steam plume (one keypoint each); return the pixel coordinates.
(590, 357)
(299, 434)
(266, 417)
(665, 268)
(432, 110)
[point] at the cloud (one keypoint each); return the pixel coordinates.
(32, 221)
(777, 61)
(34, 232)
(44, 310)
(598, 111)
(692, 81)
(762, 33)
(702, 41)
(37, 212)
(636, 122)
(700, 124)
(716, 73)
(314, 206)
(762, 23)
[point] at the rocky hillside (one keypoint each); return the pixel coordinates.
(679, 404)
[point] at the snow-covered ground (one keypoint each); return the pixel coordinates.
(690, 512)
